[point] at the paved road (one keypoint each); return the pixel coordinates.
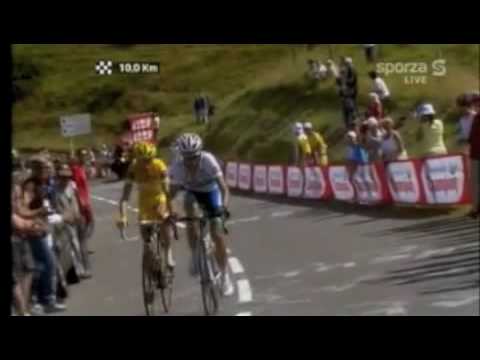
(296, 260)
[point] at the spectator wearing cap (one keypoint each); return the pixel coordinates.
(39, 202)
(474, 141)
(375, 107)
(317, 144)
(356, 154)
(347, 84)
(431, 132)
(373, 139)
(465, 122)
(68, 208)
(393, 147)
(303, 151)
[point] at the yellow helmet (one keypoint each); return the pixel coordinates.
(144, 150)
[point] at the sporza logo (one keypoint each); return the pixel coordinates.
(415, 73)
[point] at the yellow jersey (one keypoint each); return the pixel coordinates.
(317, 143)
(149, 179)
(433, 142)
(304, 145)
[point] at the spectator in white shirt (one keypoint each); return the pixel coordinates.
(381, 89)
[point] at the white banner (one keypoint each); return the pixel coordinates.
(245, 177)
(232, 174)
(403, 182)
(341, 186)
(276, 183)
(444, 180)
(76, 125)
(294, 182)
(315, 184)
(260, 179)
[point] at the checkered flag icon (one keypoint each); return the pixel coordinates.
(104, 67)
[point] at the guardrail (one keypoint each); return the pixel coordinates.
(442, 180)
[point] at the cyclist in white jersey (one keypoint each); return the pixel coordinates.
(200, 175)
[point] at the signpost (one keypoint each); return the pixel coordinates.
(75, 125)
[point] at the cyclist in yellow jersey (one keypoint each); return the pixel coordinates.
(154, 203)
(318, 145)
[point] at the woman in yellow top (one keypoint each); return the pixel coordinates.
(318, 145)
(154, 203)
(303, 151)
(432, 129)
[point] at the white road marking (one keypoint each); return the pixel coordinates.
(456, 304)
(387, 259)
(338, 289)
(349, 265)
(291, 274)
(282, 214)
(243, 221)
(430, 253)
(244, 291)
(244, 314)
(236, 266)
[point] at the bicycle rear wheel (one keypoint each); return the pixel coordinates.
(210, 295)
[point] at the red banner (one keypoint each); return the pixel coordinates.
(260, 177)
(342, 188)
(245, 177)
(404, 183)
(370, 185)
(295, 182)
(276, 180)
(316, 185)
(444, 180)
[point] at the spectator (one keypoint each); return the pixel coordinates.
(38, 193)
(393, 147)
(375, 107)
(317, 145)
(204, 109)
(23, 263)
(303, 152)
(356, 153)
(370, 52)
(67, 205)
(465, 122)
(373, 138)
(380, 87)
(349, 79)
(431, 132)
(474, 141)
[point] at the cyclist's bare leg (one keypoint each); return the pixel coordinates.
(220, 245)
(166, 234)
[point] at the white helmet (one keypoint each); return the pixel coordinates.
(190, 145)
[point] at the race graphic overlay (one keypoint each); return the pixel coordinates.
(107, 68)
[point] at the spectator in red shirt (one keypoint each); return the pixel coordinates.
(79, 177)
(375, 107)
(474, 142)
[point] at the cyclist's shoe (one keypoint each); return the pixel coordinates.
(227, 286)
(54, 308)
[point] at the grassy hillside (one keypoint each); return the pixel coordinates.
(259, 91)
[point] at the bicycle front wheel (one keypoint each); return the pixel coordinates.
(210, 296)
